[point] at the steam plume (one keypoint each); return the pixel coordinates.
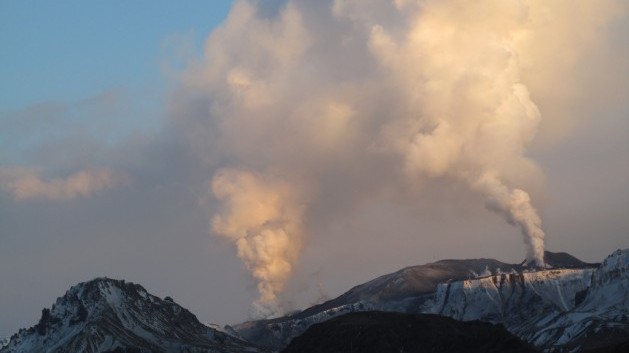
(340, 100)
(516, 207)
(263, 221)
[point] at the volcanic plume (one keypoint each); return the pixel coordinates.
(351, 97)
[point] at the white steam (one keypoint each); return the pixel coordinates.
(516, 206)
(332, 102)
(472, 117)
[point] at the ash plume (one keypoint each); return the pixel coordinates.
(261, 218)
(342, 101)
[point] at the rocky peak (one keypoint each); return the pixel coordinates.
(107, 315)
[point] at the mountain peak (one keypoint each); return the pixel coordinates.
(106, 314)
(619, 258)
(559, 260)
(107, 291)
(563, 259)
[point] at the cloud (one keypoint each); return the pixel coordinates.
(85, 183)
(347, 102)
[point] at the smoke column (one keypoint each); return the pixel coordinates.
(331, 102)
(265, 224)
(516, 207)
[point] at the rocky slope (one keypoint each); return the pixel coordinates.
(571, 306)
(600, 317)
(105, 315)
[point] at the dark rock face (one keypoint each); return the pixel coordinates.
(106, 315)
(622, 347)
(381, 332)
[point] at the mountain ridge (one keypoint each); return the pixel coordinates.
(572, 306)
(505, 293)
(459, 269)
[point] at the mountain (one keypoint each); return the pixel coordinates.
(567, 309)
(570, 306)
(600, 317)
(106, 315)
(385, 332)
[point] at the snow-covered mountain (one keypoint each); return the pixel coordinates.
(601, 313)
(570, 306)
(105, 315)
(569, 309)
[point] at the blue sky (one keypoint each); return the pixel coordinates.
(70, 50)
(99, 67)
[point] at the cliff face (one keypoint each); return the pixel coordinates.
(513, 299)
(558, 308)
(600, 317)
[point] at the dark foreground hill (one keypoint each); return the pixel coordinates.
(382, 332)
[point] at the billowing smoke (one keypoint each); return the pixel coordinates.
(328, 104)
(261, 217)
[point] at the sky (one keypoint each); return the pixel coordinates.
(255, 157)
